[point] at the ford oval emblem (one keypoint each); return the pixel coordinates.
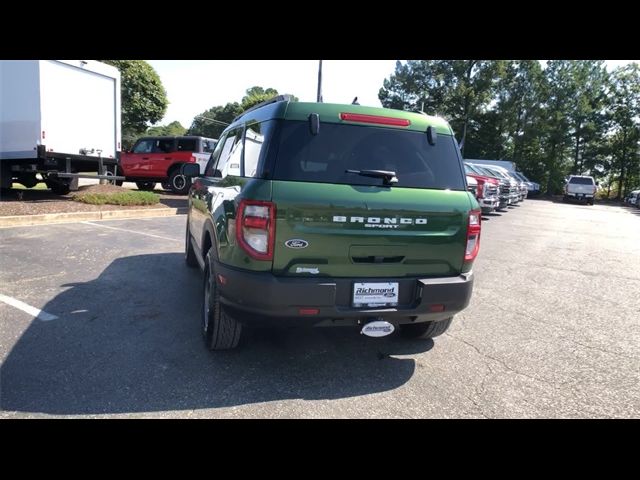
(296, 243)
(378, 328)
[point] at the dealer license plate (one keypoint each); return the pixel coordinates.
(375, 294)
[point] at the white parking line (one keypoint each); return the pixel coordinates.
(131, 231)
(36, 312)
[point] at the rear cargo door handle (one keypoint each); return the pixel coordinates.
(145, 158)
(167, 158)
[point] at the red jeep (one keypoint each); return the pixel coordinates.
(158, 159)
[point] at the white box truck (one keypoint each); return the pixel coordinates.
(58, 118)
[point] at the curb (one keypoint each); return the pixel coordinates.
(49, 218)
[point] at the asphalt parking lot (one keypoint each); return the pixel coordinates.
(553, 330)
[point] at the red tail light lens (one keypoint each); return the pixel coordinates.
(378, 120)
(480, 190)
(256, 228)
(473, 235)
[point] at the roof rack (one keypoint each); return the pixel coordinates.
(279, 98)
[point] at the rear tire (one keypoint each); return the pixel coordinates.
(113, 171)
(220, 331)
(178, 182)
(146, 186)
(425, 330)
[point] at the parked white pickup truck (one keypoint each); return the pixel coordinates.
(581, 188)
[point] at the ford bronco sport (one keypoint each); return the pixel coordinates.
(158, 159)
(332, 215)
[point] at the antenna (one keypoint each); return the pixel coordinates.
(319, 98)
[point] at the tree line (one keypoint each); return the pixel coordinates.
(567, 117)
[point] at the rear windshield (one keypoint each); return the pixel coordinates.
(581, 180)
(337, 147)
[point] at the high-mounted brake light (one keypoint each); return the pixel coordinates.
(256, 228)
(473, 236)
(376, 119)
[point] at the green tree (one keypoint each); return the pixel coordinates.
(557, 91)
(569, 117)
(586, 111)
(255, 95)
(625, 128)
(212, 122)
(173, 129)
(456, 89)
(144, 99)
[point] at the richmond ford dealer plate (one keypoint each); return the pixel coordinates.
(375, 294)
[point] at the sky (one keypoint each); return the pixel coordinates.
(194, 86)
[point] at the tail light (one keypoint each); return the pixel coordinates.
(256, 228)
(375, 119)
(480, 190)
(473, 236)
(193, 159)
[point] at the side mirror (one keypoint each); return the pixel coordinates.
(597, 184)
(190, 170)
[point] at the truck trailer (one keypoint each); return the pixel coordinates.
(59, 119)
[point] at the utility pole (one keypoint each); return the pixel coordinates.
(319, 99)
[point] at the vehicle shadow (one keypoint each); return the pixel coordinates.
(129, 341)
(178, 202)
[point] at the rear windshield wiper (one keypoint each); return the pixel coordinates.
(388, 177)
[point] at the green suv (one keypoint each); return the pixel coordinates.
(332, 215)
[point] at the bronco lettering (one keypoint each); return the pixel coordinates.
(389, 222)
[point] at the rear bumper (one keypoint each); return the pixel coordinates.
(265, 299)
(580, 195)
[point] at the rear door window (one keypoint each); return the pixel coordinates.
(256, 143)
(325, 157)
(215, 155)
(187, 145)
(163, 145)
(231, 154)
